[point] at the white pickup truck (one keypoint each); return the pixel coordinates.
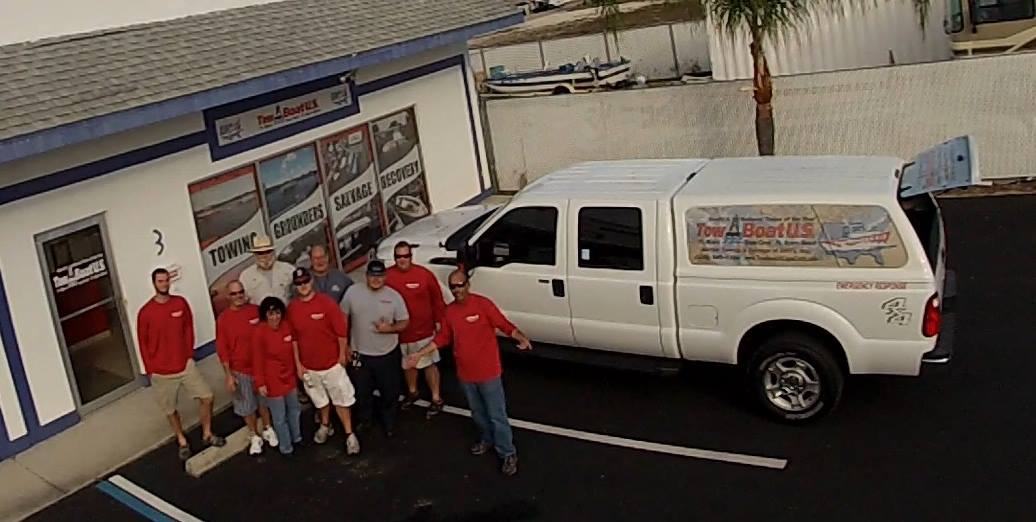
(801, 270)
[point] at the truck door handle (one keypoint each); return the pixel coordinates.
(647, 295)
(559, 287)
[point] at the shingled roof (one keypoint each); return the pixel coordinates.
(60, 81)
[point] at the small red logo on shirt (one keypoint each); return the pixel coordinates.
(316, 317)
(178, 313)
(471, 318)
(287, 338)
(413, 285)
(253, 321)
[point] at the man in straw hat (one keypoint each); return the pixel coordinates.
(268, 276)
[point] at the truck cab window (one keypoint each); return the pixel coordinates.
(991, 11)
(611, 237)
(524, 235)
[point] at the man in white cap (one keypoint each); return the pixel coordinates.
(268, 276)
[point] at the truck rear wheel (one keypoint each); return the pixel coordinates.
(795, 377)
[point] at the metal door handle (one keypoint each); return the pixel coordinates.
(647, 295)
(544, 281)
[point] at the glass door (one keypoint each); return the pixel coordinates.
(87, 311)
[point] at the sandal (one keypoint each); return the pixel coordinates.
(184, 453)
(409, 400)
(435, 407)
(216, 441)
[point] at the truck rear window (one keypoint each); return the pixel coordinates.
(923, 214)
(845, 236)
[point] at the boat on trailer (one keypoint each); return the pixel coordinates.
(568, 78)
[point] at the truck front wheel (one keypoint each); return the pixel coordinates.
(795, 378)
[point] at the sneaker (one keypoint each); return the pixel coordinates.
(352, 444)
(184, 452)
(256, 446)
(323, 433)
(480, 448)
(409, 400)
(510, 466)
(270, 437)
(435, 408)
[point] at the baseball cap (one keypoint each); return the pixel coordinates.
(300, 275)
(262, 244)
(376, 268)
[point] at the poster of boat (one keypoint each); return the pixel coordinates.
(797, 235)
(295, 204)
(401, 177)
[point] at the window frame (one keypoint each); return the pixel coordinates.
(974, 8)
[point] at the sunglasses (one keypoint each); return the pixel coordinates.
(240, 292)
(404, 256)
(300, 282)
(454, 286)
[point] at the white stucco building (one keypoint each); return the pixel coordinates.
(172, 142)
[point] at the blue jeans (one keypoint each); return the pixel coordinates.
(489, 411)
(285, 415)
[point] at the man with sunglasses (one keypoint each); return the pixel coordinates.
(321, 353)
(235, 327)
(470, 326)
(423, 298)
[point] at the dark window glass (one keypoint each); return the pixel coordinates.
(989, 11)
(611, 237)
(525, 235)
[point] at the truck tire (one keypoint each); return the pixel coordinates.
(795, 378)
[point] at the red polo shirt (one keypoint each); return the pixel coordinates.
(234, 330)
(318, 324)
(165, 333)
(471, 327)
(423, 298)
(274, 358)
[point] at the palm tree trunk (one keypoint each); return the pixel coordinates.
(763, 88)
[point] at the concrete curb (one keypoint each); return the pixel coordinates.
(211, 457)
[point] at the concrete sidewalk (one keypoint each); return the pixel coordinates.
(103, 441)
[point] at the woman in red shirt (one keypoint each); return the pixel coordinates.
(275, 372)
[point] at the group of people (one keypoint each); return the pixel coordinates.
(351, 346)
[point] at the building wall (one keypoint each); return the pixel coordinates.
(153, 195)
(26, 20)
(895, 111)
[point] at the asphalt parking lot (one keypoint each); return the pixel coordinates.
(953, 444)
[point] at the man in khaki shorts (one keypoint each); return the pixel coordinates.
(165, 333)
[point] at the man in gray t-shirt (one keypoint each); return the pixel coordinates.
(376, 315)
(326, 278)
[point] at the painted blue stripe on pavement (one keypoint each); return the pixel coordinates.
(133, 502)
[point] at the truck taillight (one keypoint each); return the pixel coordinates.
(932, 317)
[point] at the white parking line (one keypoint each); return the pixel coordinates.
(723, 456)
(145, 496)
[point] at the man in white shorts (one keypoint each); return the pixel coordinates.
(423, 298)
(321, 353)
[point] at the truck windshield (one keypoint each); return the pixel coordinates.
(461, 235)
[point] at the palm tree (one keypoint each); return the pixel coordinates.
(763, 19)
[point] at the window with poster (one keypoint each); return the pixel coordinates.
(295, 204)
(349, 175)
(401, 178)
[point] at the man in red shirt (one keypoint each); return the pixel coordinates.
(235, 328)
(423, 298)
(470, 326)
(165, 333)
(321, 352)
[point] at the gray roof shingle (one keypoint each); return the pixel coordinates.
(52, 82)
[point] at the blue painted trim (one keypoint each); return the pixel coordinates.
(98, 168)
(93, 128)
(478, 198)
(471, 121)
(218, 152)
(132, 502)
(204, 350)
(35, 432)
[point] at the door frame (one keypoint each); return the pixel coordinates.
(64, 230)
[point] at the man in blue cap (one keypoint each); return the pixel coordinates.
(377, 314)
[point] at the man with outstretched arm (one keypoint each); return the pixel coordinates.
(470, 326)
